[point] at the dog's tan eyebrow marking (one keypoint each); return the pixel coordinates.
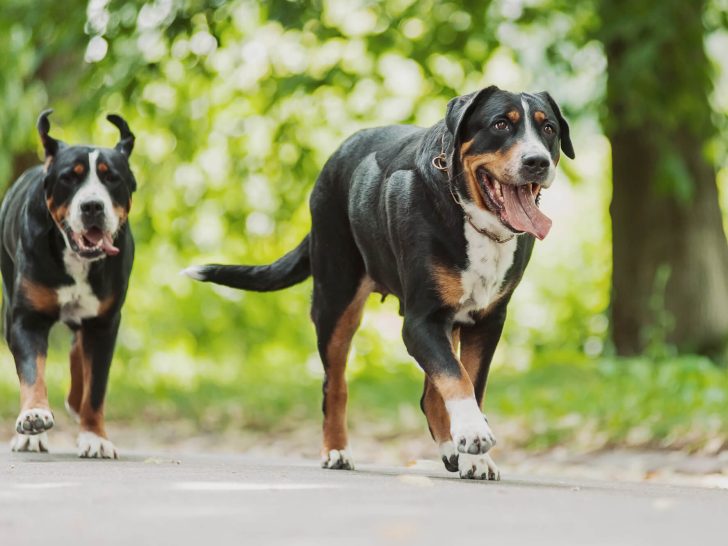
(539, 116)
(78, 168)
(103, 167)
(514, 116)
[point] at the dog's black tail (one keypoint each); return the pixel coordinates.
(288, 270)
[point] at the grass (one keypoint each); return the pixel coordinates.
(583, 403)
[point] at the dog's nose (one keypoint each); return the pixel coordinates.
(536, 164)
(92, 209)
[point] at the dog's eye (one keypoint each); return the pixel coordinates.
(112, 180)
(501, 125)
(549, 129)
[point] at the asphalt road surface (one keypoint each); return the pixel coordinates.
(57, 499)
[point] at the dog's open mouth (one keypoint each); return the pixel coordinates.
(92, 243)
(515, 206)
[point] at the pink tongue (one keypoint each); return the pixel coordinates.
(108, 246)
(521, 211)
(94, 235)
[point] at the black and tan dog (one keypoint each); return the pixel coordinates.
(67, 254)
(443, 218)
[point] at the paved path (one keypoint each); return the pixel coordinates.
(143, 499)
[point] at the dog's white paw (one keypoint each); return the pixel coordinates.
(478, 467)
(469, 428)
(337, 459)
(449, 455)
(34, 421)
(37, 443)
(72, 412)
(93, 446)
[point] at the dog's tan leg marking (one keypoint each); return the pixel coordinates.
(434, 406)
(460, 391)
(470, 356)
(468, 429)
(105, 305)
(92, 440)
(35, 395)
(35, 416)
(335, 389)
(75, 394)
(92, 420)
(479, 467)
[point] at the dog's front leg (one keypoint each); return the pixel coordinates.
(427, 340)
(93, 349)
(28, 341)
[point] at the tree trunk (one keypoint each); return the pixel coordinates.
(670, 256)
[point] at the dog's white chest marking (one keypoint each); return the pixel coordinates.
(488, 263)
(77, 301)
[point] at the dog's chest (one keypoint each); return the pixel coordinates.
(77, 301)
(482, 281)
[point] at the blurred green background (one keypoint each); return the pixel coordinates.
(236, 106)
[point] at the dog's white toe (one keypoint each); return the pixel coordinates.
(93, 446)
(469, 428)
(478, 467)
(449, 455)
(37, 443)
(337, 459)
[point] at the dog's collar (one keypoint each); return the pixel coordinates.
(489, 233)
(439, 162)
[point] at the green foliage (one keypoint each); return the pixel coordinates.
(674, 403)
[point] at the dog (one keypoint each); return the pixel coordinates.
(444, 218)
(67, 253)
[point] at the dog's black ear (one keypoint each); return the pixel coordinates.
(566, 145)
(50, 144)
(457, 112)
(126, 140)
(458, 108)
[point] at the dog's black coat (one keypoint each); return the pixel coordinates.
(383, 210)
(36, 239)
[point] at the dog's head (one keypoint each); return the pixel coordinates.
(88, 189)
(505, 150)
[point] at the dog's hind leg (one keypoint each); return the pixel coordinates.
(340, 291)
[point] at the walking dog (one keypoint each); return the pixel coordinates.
(67, 253)
(443, 218)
